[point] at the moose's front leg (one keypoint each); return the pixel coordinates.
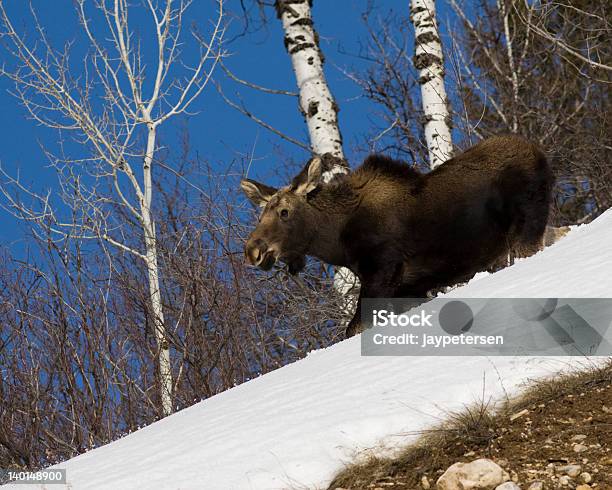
(380, 283)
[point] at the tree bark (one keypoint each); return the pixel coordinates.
(316, 101)
(429, 62)
(150, 238)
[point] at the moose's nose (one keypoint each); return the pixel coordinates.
(255, 251)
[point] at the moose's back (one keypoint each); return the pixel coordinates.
(463, 216)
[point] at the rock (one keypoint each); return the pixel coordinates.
(578, 448)
(509, 485)
(583, 487)
(481, 474)
(578, 438)
(517, 415)
(586, 477)
(564, 481)
(536, 485)
(425, 483)
(572, 470)
(607, 461)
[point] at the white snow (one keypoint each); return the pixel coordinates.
(297, 426)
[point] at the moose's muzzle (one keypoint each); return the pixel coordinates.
(258, 254)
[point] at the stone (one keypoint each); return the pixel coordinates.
(586, 477)
(572, 470)
(509, 485)
(425, 483)
(481, 474)
(536, 485)
(579, 448)
(578, 438)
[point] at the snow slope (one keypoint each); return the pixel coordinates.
(297, 426)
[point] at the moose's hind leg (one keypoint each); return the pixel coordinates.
(533, 218)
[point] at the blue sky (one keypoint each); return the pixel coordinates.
(218, 133)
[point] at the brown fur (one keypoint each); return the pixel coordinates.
(404, 233)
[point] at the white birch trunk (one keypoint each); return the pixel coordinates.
(150, 238)
(428, 60)
(316, 103)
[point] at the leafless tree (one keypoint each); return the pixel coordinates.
(429, 61)
(113, 107)
(579, 31)
(77, 341)
(505, 77)
(317, 105)
(512, 77)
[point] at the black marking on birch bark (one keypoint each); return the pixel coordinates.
(425, 118)
(283, 6)
(335, 106)
(313, 108)
(425, 78)
(310, 60)
(427, 37)
(423, 60)
(304, 21)
(300, 47)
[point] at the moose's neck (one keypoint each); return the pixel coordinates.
(330, 207)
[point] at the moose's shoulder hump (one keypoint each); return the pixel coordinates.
(389, 166)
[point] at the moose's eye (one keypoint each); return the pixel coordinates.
(284, 213)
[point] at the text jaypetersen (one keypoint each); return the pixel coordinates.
(436, 341)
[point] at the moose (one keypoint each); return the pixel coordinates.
(404, 233)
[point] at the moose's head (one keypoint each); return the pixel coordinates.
(285, 226)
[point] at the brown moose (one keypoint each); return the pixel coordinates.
(404, 233)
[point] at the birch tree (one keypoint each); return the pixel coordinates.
(429, 61)
(315, 99)
(316, 102)
(113, 105)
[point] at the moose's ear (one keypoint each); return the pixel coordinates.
(309, 178)
(259, 194)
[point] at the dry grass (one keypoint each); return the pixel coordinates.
(531, 447)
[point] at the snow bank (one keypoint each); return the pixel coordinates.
(297, 426)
